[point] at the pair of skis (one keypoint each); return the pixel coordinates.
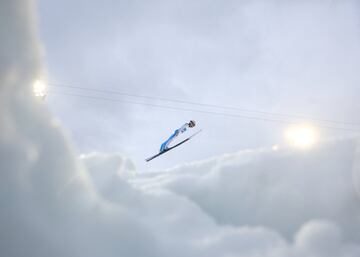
(170, 148)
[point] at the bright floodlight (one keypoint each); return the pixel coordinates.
(302, 136)
(39, 88)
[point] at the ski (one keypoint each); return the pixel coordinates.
(170, 148)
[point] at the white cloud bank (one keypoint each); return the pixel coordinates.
(257, 203)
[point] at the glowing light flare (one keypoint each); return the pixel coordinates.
(301, 136)
(39, 88)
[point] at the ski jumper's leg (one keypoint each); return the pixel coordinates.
(164, 145)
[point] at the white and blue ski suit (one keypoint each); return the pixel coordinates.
(165, 145)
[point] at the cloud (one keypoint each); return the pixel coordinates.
(48, 203)
(273, 188)
(254, 203)
(305, 196)
(276, 56)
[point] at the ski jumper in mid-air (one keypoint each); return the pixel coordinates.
(182, 129)
(165, 146)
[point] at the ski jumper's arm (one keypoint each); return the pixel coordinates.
(183, 128)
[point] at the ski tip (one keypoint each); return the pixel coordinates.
(197, 132)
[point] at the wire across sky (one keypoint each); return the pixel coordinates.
(192, 106)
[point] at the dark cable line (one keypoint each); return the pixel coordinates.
(204, 104)
(194, 110)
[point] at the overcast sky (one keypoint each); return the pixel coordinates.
(285, 202)
(292, 57)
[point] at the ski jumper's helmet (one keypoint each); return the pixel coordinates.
(192, 123)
